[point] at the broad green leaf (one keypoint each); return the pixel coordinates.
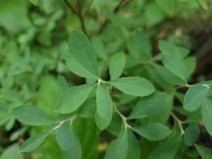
(133, 48)
(87, 109)
(34, 2)
(167, 5)
(72, 98)
(75, 151)
(84, 52)
(133, 146)
(101, 123)
(204, 152)
(167, 76)
(153, 131)
(166, 149)
(99, 48)
(149, 105)
(33, 142)
(65, 138)
(196, 117)
(202, 4)
(191, 134)
(135, 86)
(115, 125)
(184, 52)
(125, 98)
(31, 115)
(190, 64)
(194, 97)
(62, 84)
(11, 152)
(104, 103)
(172, 59)
(75, 66)
(116, 66)
(144, 43)
(164, 114)
(206, 111)
(88, 135)
(119, 148)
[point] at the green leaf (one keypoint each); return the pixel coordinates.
(72, 98)
(65, 138)
(34, 2)
(167, 5)
(204, 152)
(144, 43)
(62, 84)
(119, 148)
(149, 105)
(207, 114)
(166, 149)
(116, 66)
(172, 59)
(194, 97)
(99, 48)
(104, 103)
(75, 66)
(33, 142)
(190, 64)
(135, 86)
(84, 52)
(101, 122)
(31, 115)
(191, 134)
(153, 131)
(133, 146)
(88, 109)
(75, 151)
(164, 114)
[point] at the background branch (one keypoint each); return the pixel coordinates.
(121, 5)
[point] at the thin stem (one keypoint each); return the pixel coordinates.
(87, 7)
(122, 117)
(179, 122)
(121, 5)
(78, 14)
(64, 121)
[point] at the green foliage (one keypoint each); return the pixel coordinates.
(117, 87)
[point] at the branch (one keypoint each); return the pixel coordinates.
(121, 5)
(63, 122)
(179, 122)
(87, 7)
(78, 14)
(122, 117)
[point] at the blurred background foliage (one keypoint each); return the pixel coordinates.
(33, 42)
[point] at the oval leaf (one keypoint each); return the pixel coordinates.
(133, 146)
(194, 97)
(150, 105)
(119, 148)
(33, 142)
(206, 111)
(75, 151)
(153, 131)
(204, 152)
(116, 66)
(62, 84)
(84, 52)
(32, 115)
(135, 86)
(104, 103)
(172, 59)
(65, 138)
(166, 149)
(191, 134)
(75, 66)
(72, 98)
